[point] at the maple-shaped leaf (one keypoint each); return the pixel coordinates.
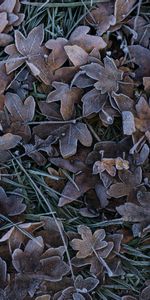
(138, 212)
(128, 186)
(12, 205)
(48, 265)
(80, 290)
(29, 50)
(81, 38)
(21, 113)
(95, 251)
(69, 134)
(89, 243)
(107, 76)
(52, 232)
(33, 151)
(101, 17)
(58, 55)
(68, 97)
(83, 182)
(109, 149)
(93, 102)
(9, 16)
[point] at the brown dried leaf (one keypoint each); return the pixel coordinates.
(71, 134)
(123, 9)
(107, 76)
(9, 141)
(110, 165)
(93, 102)
(81, 38)
(29, 50)
(129, 184)
(16, 237)
(12, 205)
(123, 102)
(68, 97)
(101, 17)
(58, 56)
(76, 55)
(100, 258)
(140, 56)
(83, 182)
(89, 242)
(33, 151)
(21, 113)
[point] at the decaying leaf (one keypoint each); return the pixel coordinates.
(101, 17)
(140, 57)
(94, 250)
(80, 290)
(81, 38)
(122, 9)
(107, 76)
(83, 182)
(21, 113)
(12, 205)
(128, 185)
(110, 165)
(68, 97)
(29, 50)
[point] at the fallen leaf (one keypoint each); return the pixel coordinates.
(107, 76)
(140, 56)
(68, 97)
(12, 205)
(81, 38)
(21, 113)
(83, 182)
(123, 9)
(29, 50)
(76, 55)
(101, 17)
(128, 186)
(9, 141)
